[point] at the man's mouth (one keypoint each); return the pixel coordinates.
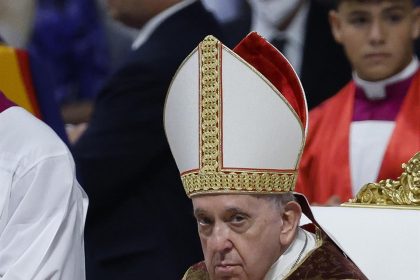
(377, 56)
(225, 269)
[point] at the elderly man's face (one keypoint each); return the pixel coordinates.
(241, 235)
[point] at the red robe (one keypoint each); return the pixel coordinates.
(325, 165)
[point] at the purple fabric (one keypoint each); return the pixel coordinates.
(68, 35)
(5, 103)
(384, 109)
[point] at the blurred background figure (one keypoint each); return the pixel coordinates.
(140, 225)
(69, 36)
(300, 30)
(233, 15)
(16, 20)
(24, 76)
(372, 125)
(119, 36)
(224, 11)
(68, 53)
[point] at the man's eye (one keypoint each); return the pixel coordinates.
(394, 18)
(358, 20)
(203, 221)
(237, 219)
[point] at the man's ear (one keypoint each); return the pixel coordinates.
(291, 218)
(335, 25)
(416, 23)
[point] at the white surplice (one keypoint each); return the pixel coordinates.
(369, 138)
(42, 206)
(293, 255)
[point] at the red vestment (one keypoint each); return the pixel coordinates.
(325, 166)
(326, 261)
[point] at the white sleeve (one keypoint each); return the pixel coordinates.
(42, 237)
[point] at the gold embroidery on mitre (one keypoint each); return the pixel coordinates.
(209, 104)
(245, 182)
(402, 192)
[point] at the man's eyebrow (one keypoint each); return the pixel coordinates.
(236, 210)
(396, 7)
(358, 13)
(199, 211)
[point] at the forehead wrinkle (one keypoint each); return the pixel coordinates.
(226, 209)
(365, 11)
(234, 210)
(376, 3)
(397, 7)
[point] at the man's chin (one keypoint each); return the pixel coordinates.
(376, 73)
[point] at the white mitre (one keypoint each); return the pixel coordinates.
(236, 120)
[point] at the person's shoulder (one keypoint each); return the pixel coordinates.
(326, 261)
(197, 272)
(23, 134)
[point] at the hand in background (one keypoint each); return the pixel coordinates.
(74, 131)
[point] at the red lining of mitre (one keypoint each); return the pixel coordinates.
(255, 50)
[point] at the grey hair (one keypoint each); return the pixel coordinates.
(280, 200)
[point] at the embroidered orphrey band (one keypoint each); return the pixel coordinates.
(209, 103)
(210, 178)
(248, 182)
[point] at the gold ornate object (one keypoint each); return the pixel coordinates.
(212, 177)
(210, 103)
(404, 192)
(224, 182)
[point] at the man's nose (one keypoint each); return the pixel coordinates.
(220, 239)
(377, 32)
